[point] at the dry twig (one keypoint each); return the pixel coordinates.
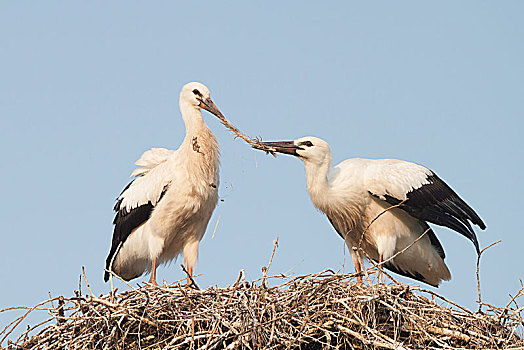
(478, 272)
(255, 143)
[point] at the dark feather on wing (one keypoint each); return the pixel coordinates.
(437, 203)
(125, 222)
(435, 243)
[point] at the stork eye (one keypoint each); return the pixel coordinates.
(306, 143)
(196, 92)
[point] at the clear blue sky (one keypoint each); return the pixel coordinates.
(86, 87)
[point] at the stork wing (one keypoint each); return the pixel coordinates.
(423, 195)
(138, 199)
(151, 159)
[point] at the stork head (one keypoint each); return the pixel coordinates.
(310, 149)
(198, 95)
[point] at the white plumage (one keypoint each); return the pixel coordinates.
(356, 191)
(151, 159)
(165, 210)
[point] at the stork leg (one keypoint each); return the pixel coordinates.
(358, 270)
(356, 261)
(190, 270)
(380, 274)
(152, 279)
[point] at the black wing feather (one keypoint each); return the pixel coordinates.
(437, 193)
(125, 222)
(435, 243)
(437, 203)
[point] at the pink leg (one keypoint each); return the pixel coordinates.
(358, 269)
(190, 270)
(152, 279)
(380, 275)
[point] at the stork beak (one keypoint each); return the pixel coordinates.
(285, 147)
(209, 106)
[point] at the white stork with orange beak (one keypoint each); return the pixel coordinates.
(355, 192)
(165, 210)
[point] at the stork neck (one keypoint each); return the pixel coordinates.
(317, 181)
(192, 118)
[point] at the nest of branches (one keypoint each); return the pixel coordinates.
(324, 310)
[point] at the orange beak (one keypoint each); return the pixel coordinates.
(209, 106)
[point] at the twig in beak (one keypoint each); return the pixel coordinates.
(255, 143)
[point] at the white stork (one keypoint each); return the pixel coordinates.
(353, 193)
(165, 209)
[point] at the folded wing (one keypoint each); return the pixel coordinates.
(423, 195)
(138, 199)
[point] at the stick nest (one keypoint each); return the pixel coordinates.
(324, 310)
